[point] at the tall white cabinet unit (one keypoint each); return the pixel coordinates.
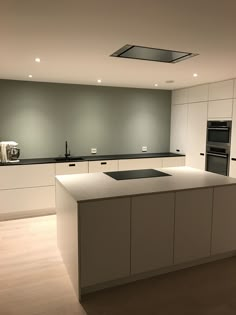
(179, 117)
(196, 137)
(213, 101)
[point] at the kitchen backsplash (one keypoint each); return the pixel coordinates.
(41, 116)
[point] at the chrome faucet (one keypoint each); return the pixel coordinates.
(67, 154)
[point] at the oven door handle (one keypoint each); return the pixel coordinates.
(218, 155)
(218, 128)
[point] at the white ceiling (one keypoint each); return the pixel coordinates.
(75, 38)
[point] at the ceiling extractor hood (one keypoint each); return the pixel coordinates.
(152, 54)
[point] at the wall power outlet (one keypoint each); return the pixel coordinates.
(144, 149)
(93, 150)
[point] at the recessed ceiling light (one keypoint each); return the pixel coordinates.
(30, 76)
(155, 84)
(99, 81)
(195, 75)
(37, 59)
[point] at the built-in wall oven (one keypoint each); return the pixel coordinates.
(218, 147)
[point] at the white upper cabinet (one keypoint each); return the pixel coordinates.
(180, 96)
(198, 93)
(221, 90)
(178, 132)
(220, 109)
(196, 143)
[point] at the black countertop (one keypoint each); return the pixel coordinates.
(129, 156)
(90, 158)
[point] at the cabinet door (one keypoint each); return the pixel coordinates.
(105, 240)
(137, 164)
(178, 131)
(197, 128)
(232, 166)
(198, 93)
(19, 202)
(103, 166)
(221, 90)
(23, 176)
(173, 161)
(152, 232)
(221, 109)
(224, 218)
(71, 168)
(179, 96)
(193, 217)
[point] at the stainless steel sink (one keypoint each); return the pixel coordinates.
(68, 159)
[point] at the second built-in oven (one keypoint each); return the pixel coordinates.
(217, 160)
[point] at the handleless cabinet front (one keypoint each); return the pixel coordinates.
(71, 168)
(173, 161)
(23, 176)
(103, 166)
(104, 240)
(193, 219)
(224, 218)
(152, 232)
(136, 164)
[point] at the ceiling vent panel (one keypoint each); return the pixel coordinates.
(152, 54)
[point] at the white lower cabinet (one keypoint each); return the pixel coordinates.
(27, 200)
(193, 217)
(152, 232)
(71, 168)
(135, 164)
(22, 176)
(26, 190)
(224, 219)
(173, 161)
(103, 166)
(104, 240)
(129, 236)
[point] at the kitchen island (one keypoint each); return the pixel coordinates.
(116, 231)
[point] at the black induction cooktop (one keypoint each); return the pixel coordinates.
(135, 174)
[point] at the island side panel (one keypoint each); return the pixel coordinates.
(67, 233)
(224, 220)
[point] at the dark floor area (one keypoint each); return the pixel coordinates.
(209, 289)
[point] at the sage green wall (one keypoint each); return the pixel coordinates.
(41, 116)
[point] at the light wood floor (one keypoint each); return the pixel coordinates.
(33, 281)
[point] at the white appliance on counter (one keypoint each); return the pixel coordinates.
(9, 152)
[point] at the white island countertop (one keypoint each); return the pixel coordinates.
(85, 187)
